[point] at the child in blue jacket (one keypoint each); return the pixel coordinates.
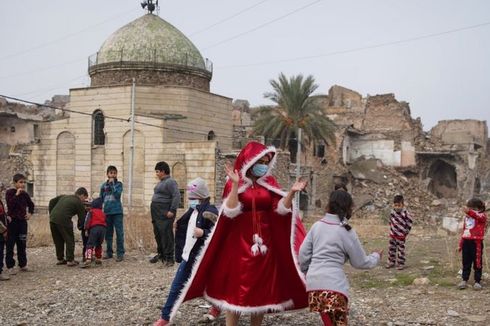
(110, 192)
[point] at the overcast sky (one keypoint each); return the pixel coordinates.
(433, 54)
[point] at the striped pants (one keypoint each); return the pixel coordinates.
(396, 245)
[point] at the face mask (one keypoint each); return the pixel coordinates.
(193, 203)
(259, 170)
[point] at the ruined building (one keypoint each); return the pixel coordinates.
(450, 159)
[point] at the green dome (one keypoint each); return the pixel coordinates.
(150, 39)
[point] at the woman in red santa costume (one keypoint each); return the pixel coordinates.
(248, 264)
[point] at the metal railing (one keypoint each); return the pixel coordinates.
(149, 56)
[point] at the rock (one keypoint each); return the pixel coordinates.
(451, 224)
(427, 268)
(421, 281)
(436, 202)
(452, 313)
(476, 318)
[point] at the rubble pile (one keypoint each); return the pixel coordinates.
(374, 186)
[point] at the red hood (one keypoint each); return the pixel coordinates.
(248, 156)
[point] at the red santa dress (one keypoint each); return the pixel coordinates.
(248, 263)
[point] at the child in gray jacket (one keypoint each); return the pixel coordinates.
(326, 248)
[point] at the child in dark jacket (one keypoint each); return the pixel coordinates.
(191, 232)
(3, 234)
(20, 209)
(95, 228)
(471, 243)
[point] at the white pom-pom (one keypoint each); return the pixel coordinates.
(255, 249)
(263, 249)
(255, 237)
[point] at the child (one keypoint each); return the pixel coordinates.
(94, 227)
(471, 243)
(328, 245)
(110, 192)
(20, 208)
(192, 229)
(3, 234)
(400, 225)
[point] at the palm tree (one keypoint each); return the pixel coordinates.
(294, 108)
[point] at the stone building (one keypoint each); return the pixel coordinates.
(148, 101)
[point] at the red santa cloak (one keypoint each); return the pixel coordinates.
(248, 263)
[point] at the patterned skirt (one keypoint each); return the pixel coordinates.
(329, 302)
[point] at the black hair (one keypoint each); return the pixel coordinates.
(163, 166)
(111, 168)
(340, 187)
(476, 203)
(398, 199)
(18, 176)
(97, 203)
(81, 192)
(340, 203)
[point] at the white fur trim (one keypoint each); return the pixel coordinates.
(223, 305)
(271, 188)
(197, 262)
(231, 212)
(295, 215)
(281, 208)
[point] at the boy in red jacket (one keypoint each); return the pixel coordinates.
(95, 227)
(471, 243)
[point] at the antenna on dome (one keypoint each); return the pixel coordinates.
(150, 5)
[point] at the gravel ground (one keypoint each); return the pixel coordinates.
(131, 293)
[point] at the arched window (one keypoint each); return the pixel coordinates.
(98, 135)
(211, 135)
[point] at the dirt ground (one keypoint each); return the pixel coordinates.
(132, 292)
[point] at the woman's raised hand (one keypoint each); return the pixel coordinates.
(232, 173)
(299, 185)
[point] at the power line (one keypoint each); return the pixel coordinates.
(227, 18)
(374, 46)
(53, 87)
(39, 46)
(263, 25)
(43, 69)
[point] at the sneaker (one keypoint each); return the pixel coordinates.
(61, 262)
(400, 267)
(4, 277)
(98, 261)
(462, 285)
(161, 322)
(25, 269)
(389, 265)
(155, 259)
(86, 264)
(72, 263)
(12, 271)
(107, 257)
(212, 314)
(119, 258)
(168, 263)
(477, 287)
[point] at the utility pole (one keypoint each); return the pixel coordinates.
(298, 165)
(131, 158)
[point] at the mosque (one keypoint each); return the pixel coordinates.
(149, 100)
